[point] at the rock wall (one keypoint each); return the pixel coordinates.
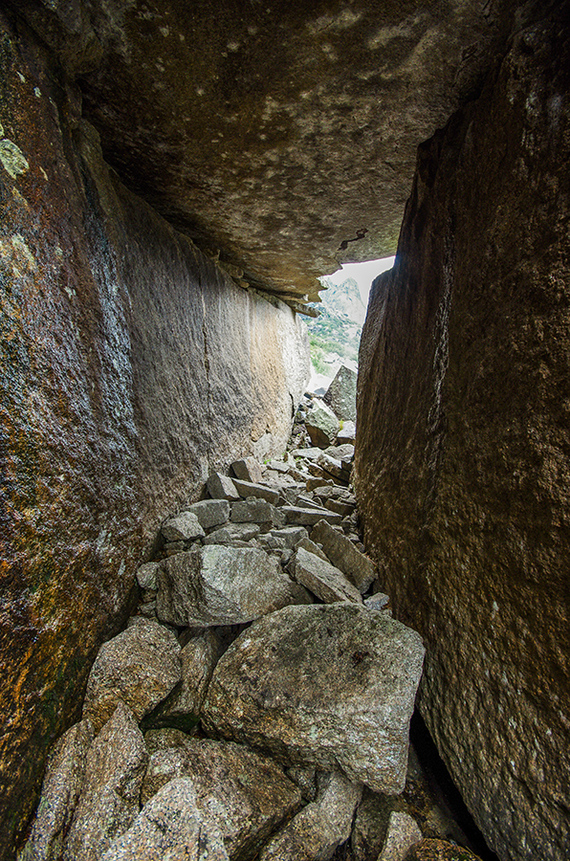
(129, 367)
(464, 437)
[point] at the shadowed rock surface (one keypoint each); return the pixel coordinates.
(463, 441)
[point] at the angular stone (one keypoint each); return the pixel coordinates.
(184, 527)
(403, 832)
(139, 667)
(329, 685)
(109, 799)
(333, 466)
(309, 516)
(170, 828)
(322, 579)
(221, 487)
(220, 585)
(232, 532)
(308, 453)
(370, 825)
(211, 512)
(316, 832)
(313, 483)
(198, 659)
(146, 575)
(379, 601)
(359, 569)
(247, 488)
(341, 394)
(347, 434)
(164, 738)
(290, 535)
(60, 792)
(321, 423)
(311, 547)
(439, 850)
(256, 511)
(345, 509)
(247, 794)
(342, 452)
(248, 469)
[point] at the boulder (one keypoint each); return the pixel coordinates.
(309, 516)
(316, 832)
(359, 569)
(328, 685)
(221, 487)
(290, 535)
(60, 792)
(321, 423)
(232, 532)
(439, 850)
(164, 738)
(139, 667)
(109, 798)
(322, 579)
(220, 585)
(247, 469)
(341, 394)
(211, 512)
(347, 433)
(169, 828)
(403, 832)
(248, 488)
(311, 547)
(246, 794)
(146, 575)
(183, 527)
(198, 659)
(255, 510)
(370, 825)
(339, 469)
(379, 601)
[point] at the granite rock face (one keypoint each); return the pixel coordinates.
(328, 685)
(119, 343)
(463, 440)
(341, 394)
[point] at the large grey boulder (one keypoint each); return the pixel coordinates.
(210, 512)
(321, 423)
(321, 578)
(316, 832)
(170, 828)
(341, 394)
(329, 685)
(220, 585)
(246, 794)
(255, 510)
(139, 667)
(359, 569)
(247, 469)
(109, 799)
(60, 792)
(183, 527)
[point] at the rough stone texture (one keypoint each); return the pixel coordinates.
(309, 516)
(219, 585)
(60, 791)
(315, 832)
(255, 510)
(221, 487)
(322, 579)
(281, 172)
(183, 527)
(247, 469)
(211, 512)
(403, 832)
(321, 424)
(328, 685)
(247, 795)
(139, 667)
(109, 799)
(341, 394)
(359, 569)
(169, 828)
(248, 488)
(347, 433)
(129, 366)
(146, 575)
(439, 850)
(232, 532)
(463, 441)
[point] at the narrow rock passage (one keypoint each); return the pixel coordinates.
(257, 705)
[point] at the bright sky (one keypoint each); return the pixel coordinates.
(363, 273)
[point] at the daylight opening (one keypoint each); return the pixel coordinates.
(335, 334)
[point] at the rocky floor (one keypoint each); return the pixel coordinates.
(257, 706)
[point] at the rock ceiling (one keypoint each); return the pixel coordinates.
(279, 134)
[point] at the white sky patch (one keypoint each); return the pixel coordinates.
(363, 273)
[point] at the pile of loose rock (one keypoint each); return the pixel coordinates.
(261, 687)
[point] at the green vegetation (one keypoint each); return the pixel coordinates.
(335, 334)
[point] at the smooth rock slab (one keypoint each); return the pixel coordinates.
(169, 828)
(60, 792)
(139, 667)
(220, 585)
(318, 830)
(327, 685)
(359, 569)
(247, 795)
(109, 799)
(322, 579)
